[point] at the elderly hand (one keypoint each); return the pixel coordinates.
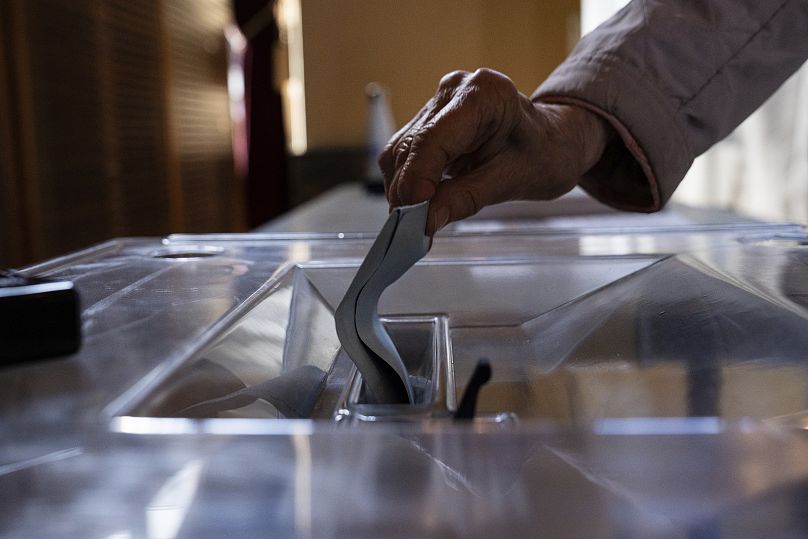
(479, 142)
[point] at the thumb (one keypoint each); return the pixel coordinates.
(463, 196)
(453, 132)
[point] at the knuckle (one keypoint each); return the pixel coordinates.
(401, 156)
(421, 136)
(387, 151)
(489, 78)
(428, 147)
(403, 145)
(486, 75)
(453, 79)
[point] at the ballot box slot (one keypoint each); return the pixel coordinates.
(423, 343)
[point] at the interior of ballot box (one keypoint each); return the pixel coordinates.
(576, 326)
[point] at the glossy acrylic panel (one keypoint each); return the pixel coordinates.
(590, 332)
(587, 328)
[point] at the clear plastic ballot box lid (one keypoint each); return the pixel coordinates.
(579, 326)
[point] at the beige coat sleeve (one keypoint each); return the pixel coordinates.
(674, 77)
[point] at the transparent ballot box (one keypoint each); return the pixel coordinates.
(578, 326)
(646, 382)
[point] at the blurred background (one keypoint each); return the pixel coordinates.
(145, 117)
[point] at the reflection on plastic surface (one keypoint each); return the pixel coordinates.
(717, 331)
(669, 340)
(680, 322)
(273, 363)
(383, 482)
(169, 507)
(601, 345)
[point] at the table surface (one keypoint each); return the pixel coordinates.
(349, 208)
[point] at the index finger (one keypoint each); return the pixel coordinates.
(454, 131)
(387, 159)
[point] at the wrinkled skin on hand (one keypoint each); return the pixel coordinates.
(479, 142)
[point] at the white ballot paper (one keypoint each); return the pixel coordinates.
(401, 243)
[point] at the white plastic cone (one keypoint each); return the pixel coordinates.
(380, 129)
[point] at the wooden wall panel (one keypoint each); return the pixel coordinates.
(92, 120)
(134, 130)
(66, 120)
(11, 240)
(200, 113)
(115, 123)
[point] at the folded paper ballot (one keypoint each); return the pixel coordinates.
(401, 242)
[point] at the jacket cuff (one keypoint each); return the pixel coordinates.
(641, 170)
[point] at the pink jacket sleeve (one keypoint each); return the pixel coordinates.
(674, 77)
